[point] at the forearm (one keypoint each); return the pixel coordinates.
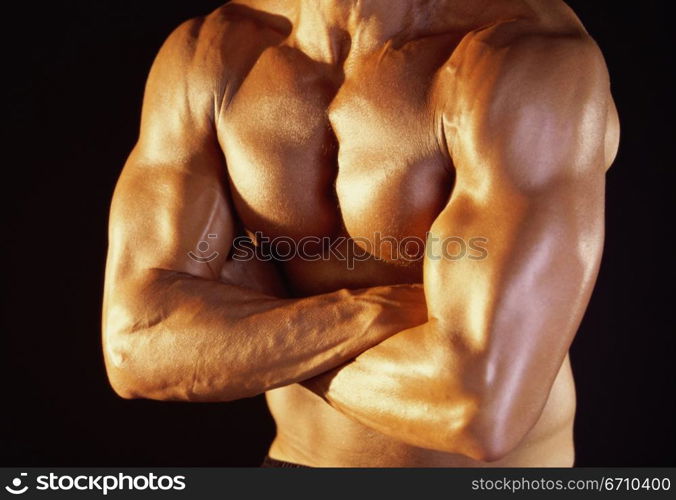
(186, 338)
(409, 388)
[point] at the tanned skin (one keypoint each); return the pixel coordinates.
(489, 119)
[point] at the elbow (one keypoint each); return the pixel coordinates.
(122, 357)
(132, 339)
(138, 368)
(486, 427)
(129, 379)
(492, 446)
(483, 438)
(492, 430)
(487, 412)
(503, 414)
(121, 387)
(122, 378)
(494, 451)
(478, 443)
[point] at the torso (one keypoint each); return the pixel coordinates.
(324, 151)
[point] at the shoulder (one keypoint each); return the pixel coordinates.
(202, 54)
(228, 30)
(537, 100)
(509, 74)
(519, 51)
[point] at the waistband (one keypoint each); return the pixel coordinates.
(273, 462)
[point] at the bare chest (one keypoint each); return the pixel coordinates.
(315, 150)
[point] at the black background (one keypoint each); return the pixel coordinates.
(75, 72)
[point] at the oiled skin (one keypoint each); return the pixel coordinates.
(295, 118)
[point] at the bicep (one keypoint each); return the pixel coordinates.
(170, 209)
(516, 264)
(170, 217)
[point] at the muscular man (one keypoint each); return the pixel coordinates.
(483, 124)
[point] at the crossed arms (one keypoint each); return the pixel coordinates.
(464, 364)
